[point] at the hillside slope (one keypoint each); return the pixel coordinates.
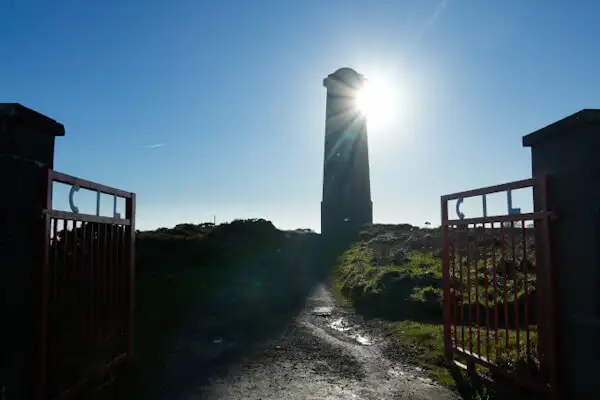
(394, 273)
(205, 286)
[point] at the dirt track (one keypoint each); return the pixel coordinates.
(324, 353)
(275, 333)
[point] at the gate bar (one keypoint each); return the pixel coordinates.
(492, 189)
(85, 184)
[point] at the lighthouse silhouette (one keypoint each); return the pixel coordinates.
(346, 184)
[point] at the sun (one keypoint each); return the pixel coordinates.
(377, 102)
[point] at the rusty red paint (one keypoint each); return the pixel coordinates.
(124, 288)
(446, 285)
(130, 213)
(476, 264)
(80, 313)
(90, 276)
(461, 280)
(525, 264)
(515, 286)
(98, 286)
(468, 261)
(454, 286)
(63, 314)
(505, 285)
(104, 281)
(541, 387)
(82, 293)
(495, 286)
(110, 281)
(510, 271)
(85, 184)
(73, 302)
(53, 349)
(525, 183)
(486, 291)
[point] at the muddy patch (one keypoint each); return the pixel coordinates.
(323, 311)
(324, 352)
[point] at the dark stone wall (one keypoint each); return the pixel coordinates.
(571, 160)
(28, 134)
(26, 153)
(22, 239)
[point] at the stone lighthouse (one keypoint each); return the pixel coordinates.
(346, 184)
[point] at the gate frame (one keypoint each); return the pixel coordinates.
(48, 213)
(541, 216)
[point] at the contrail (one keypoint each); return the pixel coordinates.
(152, 146)
(428, 24)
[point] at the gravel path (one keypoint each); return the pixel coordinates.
(284, 350)
(324, 353)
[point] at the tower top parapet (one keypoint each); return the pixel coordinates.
(344, 77)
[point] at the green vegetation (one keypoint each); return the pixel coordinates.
(395, 273)
(423, 343)
(392, 272)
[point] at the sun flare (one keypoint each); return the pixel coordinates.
(377, 102)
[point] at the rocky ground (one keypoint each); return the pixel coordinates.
(323, 352)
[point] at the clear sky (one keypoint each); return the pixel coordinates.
(217, 107)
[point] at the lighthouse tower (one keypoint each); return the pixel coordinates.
(346, 183)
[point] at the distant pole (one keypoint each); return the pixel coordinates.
(214, 219)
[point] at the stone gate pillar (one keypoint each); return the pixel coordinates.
(568, 151)
(26, 154)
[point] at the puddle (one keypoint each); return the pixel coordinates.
(395, 373)
(340, 325)
(364, 340)
(322, 311)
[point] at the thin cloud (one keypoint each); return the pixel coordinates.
(153, 146)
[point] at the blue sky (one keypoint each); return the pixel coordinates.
(233, 91)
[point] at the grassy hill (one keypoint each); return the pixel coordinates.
(389, 272)
(394, 272)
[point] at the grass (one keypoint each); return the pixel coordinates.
(422, 342)
(395, 273)
(356, 268)
(424, 345)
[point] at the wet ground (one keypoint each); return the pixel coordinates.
(279, 334)
(324, 353)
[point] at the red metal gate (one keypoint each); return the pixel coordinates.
(498, 290)
(87, 293)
